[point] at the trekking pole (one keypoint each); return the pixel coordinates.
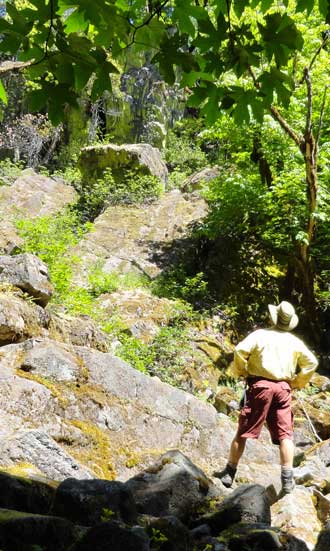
(308, 419)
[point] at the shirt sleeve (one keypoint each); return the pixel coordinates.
(238, 368)
(306, 365)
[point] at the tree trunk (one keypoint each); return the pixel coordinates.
(305, 270)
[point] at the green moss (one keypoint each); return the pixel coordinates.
(55, 389)
(97, 451)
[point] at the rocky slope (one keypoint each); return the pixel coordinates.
(86, 448)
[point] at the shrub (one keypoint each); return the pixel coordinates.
(133, 188)
(9, 171)
(183, 155)
(50, 237)
(176, 283)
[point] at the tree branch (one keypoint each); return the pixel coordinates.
(8, 66)
(319, 127)
(278, 117)
(145, 23)
(307, 79)
(326, 37)
(286, 127)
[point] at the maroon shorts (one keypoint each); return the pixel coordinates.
(270, 402)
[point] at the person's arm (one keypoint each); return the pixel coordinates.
(307, 364)
(238, 367)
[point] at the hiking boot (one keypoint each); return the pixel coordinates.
(287, 480)
(227, 475)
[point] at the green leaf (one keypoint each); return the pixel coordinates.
(305, 5)
(38, 70)
(11, 43)
(241, 113)
(3, 95)
(76, 22)
(184, 20)
(82, 74)
(324, 7)
(239, 6)
(265, 5)
(100, 85)
(37, 99)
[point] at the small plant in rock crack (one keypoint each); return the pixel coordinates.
(107, 514)
(157, 539)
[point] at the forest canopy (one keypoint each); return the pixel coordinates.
(66, 44)
(256, 60)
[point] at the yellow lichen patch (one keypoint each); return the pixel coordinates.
(94, 393)
(95, 454)
(56, 390)
(21, 469)
(132, 457)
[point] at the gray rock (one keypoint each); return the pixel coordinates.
(173, 486)
(141, 157)
(248, 503)
(37, 448)
(113, 536)
(195, 181)
(52, 360)
(20, 531)
(90, 501)
(126, 240)
(293, 510)
(175, 535)
(80, 331)
(35, 195)
(29, 273)
(22, 494)
(19, 319)
(260, 537)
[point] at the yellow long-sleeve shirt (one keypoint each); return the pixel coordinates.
(276, 355)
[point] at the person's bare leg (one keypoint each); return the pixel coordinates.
(286, 453)
(236, 450)
(286, 460)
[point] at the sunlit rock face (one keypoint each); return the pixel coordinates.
(126, 239)
(141, 158)
(30, 196)
(28, 273)
(143, 108)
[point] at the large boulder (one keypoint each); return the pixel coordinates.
(113, 536)
(30, 196)
(143, 313)
(297, 513)
(51, 360)
(248, 503)
(20, 531)
(314, 469)
(126, 240)
(80, 330)
(142, 158)
(31, 496)
(29, 273)
(19, 319)
(37, 448)
(173, 486)
(90, 501)
(173, 535)
(34, 195)
(105, 415)
(260, 537)
(196, 180)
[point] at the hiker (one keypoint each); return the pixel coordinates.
(273, 362)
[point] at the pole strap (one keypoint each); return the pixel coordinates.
(308, 419)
